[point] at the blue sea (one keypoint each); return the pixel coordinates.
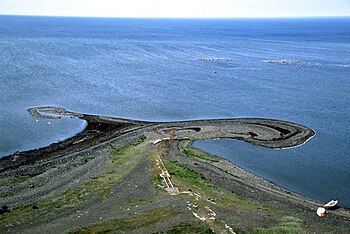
(146, 69)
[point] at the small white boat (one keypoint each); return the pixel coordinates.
(330, 204)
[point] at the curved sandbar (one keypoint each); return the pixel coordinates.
(70, 176)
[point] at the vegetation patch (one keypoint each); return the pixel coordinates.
(14, 180)
(290, 225)
(158, 180)
(188, 179)
(187, 149)
(139, 220)
(155, 171)
(21, 178)
(122, 163)
(191, 228)
(185, 177)
(41, 210)
(65, 202)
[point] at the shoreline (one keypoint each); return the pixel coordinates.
(103, 134)
(100, 128)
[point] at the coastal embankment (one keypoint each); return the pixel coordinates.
(121, 175)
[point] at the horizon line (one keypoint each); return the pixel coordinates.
(158, 17)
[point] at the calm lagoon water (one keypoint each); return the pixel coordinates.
(144, 69)
(304, 170)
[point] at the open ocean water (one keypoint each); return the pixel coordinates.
(145, 69)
